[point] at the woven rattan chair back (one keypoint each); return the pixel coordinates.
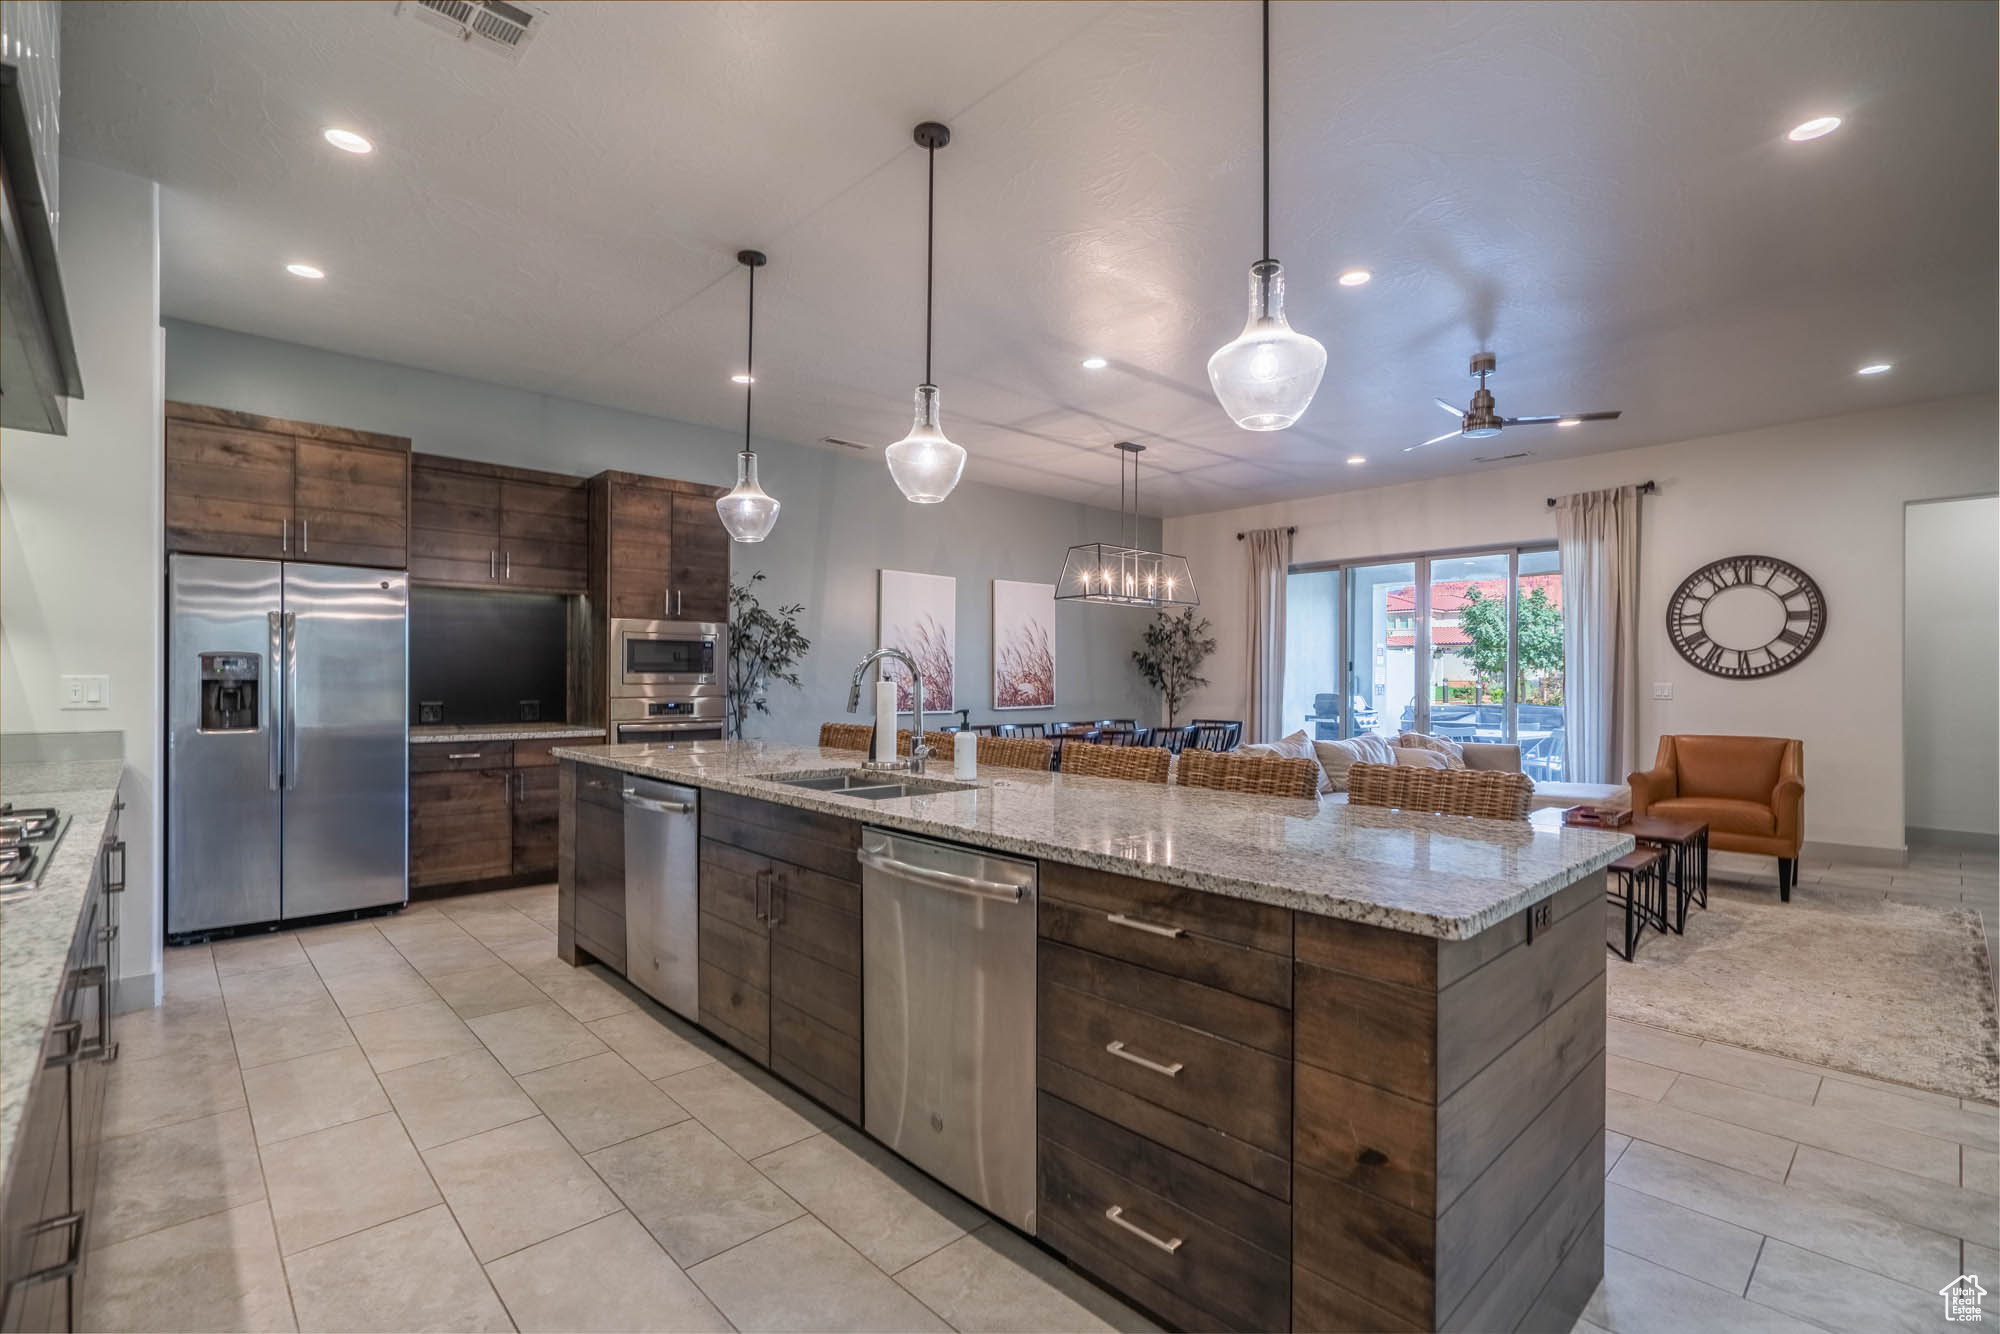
(1262, 775)
(1138, 764)
(1486, 794)
(846, 736)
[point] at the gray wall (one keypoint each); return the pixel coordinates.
(843, 519)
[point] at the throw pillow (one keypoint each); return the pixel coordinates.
(1454, 754)
(1335, 757)
(1416, 757)
(1297, 745)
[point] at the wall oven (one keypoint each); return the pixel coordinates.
(654, 657)
(663, 719)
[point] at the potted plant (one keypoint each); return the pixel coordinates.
(1176, 647)
(764, 646)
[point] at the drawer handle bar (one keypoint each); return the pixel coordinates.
(924, 875)
(1151, 928)
(1118, 1049)
(659, 807)
(467, 755)
(1116, 1215)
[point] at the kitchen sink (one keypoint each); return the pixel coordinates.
(868, 784)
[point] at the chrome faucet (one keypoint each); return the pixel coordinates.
(919, 752)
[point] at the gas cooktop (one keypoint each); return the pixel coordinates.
(28, 838)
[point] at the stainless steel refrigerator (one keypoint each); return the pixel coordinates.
(287, 742)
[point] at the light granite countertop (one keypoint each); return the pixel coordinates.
(36, 929)
(504, 732)
(1428, 875)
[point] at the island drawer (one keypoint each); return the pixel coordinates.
(1231, 944)
(433, 757)
(1240, 1090)
(1128, 1209)
(533, 754)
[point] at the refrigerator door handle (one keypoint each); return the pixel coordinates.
(290, 691)
(273, 719)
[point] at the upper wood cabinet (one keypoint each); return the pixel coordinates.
(661, 547)
(483, 525)
(239, 484)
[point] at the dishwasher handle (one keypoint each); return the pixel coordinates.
(659, 807)
(945, 880)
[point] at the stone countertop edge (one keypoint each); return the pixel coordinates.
(37, 929)
(1495, 899)
(422, 735)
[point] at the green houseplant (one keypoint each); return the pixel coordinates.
(1176, 647)
(764, 646)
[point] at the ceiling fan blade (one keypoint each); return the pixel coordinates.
(1436, 439)
(1456, 412)
(1562, 417)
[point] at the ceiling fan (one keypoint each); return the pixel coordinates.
(1480, 421)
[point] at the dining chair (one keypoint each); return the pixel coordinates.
(1217, 733)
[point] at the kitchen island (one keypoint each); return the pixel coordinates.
(1297, 1065)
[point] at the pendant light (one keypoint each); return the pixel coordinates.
(1122, 573)
(925, 464)
(747, 512)
(1268, 375)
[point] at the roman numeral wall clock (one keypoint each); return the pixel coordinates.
(1746, 616)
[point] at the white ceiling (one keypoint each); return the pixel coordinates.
(1600, 193)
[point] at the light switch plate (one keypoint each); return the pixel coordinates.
(86, 692)
(1663, 690)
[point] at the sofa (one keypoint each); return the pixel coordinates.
(1749, 790)
(1415, 749)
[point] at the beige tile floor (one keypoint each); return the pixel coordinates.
(428, 1122)
(419, 1123)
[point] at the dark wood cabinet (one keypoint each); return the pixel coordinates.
(591, 916)
(536, 808)
(240, 484)
(699, 571)
(659, 549)
(485, 525)
(482, 811)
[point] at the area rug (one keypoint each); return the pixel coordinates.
(1894, 991)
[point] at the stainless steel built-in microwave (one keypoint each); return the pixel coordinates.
(647, 655)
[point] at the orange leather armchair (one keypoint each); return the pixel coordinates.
(1749, 790)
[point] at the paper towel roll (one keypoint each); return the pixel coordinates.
(885, 721)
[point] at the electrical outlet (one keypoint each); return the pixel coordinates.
(1663, 690)
(86, 692)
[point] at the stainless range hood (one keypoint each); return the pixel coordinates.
(38, 368)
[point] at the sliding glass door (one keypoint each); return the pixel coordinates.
(1466, 645)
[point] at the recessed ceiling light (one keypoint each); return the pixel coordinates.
(744, 379)
(347, 141)
(1569, 421)
(1877, 368)
(1817, 127)
(1356, 458)
(1355, 277)
(1095, 363)
(305, 271)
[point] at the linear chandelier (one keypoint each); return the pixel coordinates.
(1123, 574)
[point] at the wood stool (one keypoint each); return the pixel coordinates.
(1637, 882)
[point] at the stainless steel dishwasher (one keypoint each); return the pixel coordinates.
(662, 912)
(948, 1015)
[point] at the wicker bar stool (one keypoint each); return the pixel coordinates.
(1017, 752)
(846, 736)
(1138, 764)
(1484, 794)
(1261, 775)
(1637, 883)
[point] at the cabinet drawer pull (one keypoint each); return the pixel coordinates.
(1116, 1216)
(1150, 928)
(63, 1268)
(1117, 1049)
(466, 755)
(760, 890)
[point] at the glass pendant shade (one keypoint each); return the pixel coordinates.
(1266, 378)
(1124, 576)
(747, 512)
(924, 463)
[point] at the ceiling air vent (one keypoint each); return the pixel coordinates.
(844, 444)
(493, 24)
(1502, 458)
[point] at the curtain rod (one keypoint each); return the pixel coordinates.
(1288, 532)
(1644, 489)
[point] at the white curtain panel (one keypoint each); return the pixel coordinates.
(1270, 562)
(1597, 537)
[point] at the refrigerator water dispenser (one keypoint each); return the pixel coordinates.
(229, 692)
